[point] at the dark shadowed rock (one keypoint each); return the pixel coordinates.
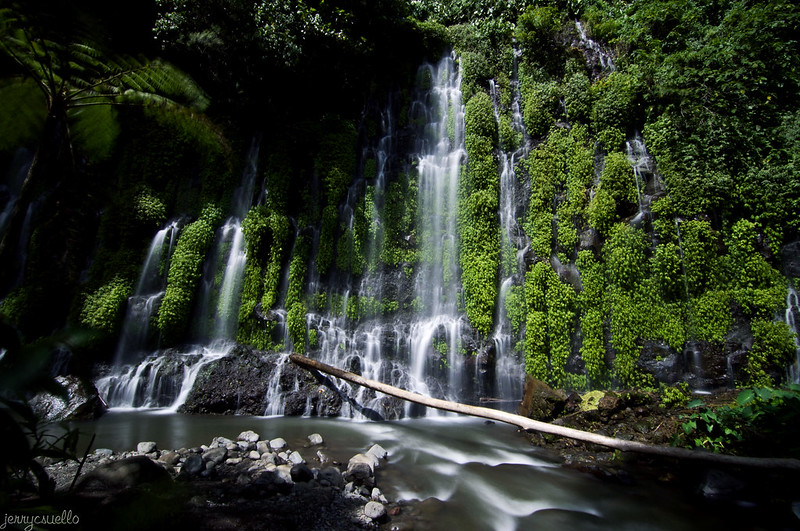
(331, 476)
(233, 384)
(193, 464)
(301, 473)
(125, 473)
(790, 256)
(216, 455)
(540, 401)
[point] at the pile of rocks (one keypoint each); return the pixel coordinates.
(229, 479)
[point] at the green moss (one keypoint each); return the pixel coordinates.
(773, 348)
(336, 159)
(266, 233)
(184, 273)
(616, 106)
(540, 105)
(149, 210)
(757, 287)
(674, 396)
(712, 316)
(326, 241)
(478, 224)
(577, 97)
(103, 308)
(592, 319)
(624, 255)
(549, 324)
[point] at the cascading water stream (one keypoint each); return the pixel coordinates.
(509, 370)
(434, 337)
(135, 337)
(792, 311)
(147, 378)
(420, 351)
(606, 61)
(221, 287)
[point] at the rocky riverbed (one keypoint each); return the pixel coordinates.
(242, 483)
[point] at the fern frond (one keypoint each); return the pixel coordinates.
(22, 112)
(94, 128)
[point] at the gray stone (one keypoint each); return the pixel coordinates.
(360, 469)
(249, 436)
(721, 485)
(375, 510)
(377, 451)
(104, 452)
(210, 466)
(268, 458)
(233, 461)
(243, 446)
(83, 402)
(277, 444)
(262, 447)
(231, 447)
(170, 458)
(370, 459)
(314, 439)
(220, 442)
(284, 473)
(193, 464)
(295, 458)
(146, 447)
(217, 455)
(254, 455)
(540, 401)
(377, 495)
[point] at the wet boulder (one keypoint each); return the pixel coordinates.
(234, 384)
(81, 402)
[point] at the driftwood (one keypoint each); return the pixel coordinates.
(544, 427)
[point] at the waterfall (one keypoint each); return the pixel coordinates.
(421, 349)
(792, 311)
(143, 304)
(441, 153)
(642, 164)
(221, 287)
(509, 369)
(161, 380)
(146, 378)
(606, 61)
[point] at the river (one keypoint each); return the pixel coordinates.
(473, 474)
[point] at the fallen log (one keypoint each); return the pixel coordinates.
(544, 427)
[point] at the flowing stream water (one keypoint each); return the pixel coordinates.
(471, 475)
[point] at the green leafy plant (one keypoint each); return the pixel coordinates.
(762, 422)
(24, 371)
